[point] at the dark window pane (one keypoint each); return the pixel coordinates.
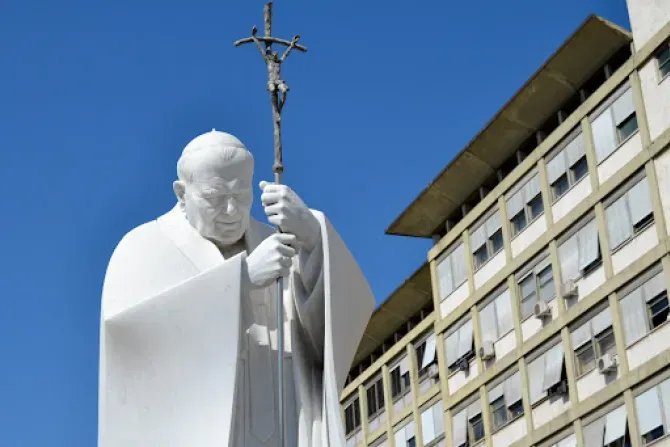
(560, 186)
(516, 409)
(658, 308)
(627, 127)
(535, 206)
(579, 169)
(481, 256)
(653, 435)
(497, 241)
(664, 61)
(518, 222)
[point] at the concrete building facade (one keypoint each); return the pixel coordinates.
(540, 316)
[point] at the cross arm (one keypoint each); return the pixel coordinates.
(271, 40)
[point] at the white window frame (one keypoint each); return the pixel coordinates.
(599, 328)
(378, 384)
(617, 100)
(661, 391)
(647, 288)
(524, 192)
(568, 155)
(433, 413)
(620, 207)
(453, 267)
(579, 236)
(491, 226)
(459, 330)
(353, 403)
(538, 268)
(506, 392)
(495, 302)
(552, 362)
(402, 366)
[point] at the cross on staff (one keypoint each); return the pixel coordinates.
(278, 92)
(276, 85)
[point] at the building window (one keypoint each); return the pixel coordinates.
(495, 318)
(425, 355)
(459, 346)
(663, 59)
(375, 398)
(525, 204)
(567, 167)
(400, 384)
(536, 285)
(452, 271)
(615, 124)
(405, 436)
(610, 430)
(468, 426)
(505, 398)
(352, 416)
(645, 308)
(653, 412)
(486, 240)
(580, 253)
(432, 424)
(629, 214)
(547, 375)
(593, 340)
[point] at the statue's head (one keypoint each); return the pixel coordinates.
(214, 186)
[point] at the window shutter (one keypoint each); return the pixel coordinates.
(512, 389)
(581, 336)
(493, 224)
(505, 320)
(615, 425)
(639, 199)
(458, 266)
(487, 319)
(588, 245)
(601, 321)
(634, 315)
(594, 433)
(653, 287)
(554, 367)
(429, 352)
(619, 226)
(478, 238)
(515, 203)
(575, 150)
(623, 107)
(460, 428)
(445, 278)
(531, 188)
(648, 410)
(557, 166)
(604, 135)
(465, 339)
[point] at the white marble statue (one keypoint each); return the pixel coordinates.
(188, 328)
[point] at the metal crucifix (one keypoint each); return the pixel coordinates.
(278, 91)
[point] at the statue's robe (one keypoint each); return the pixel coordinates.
(188, 354)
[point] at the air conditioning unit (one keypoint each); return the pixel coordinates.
(541, 310)
(569, 289)
(433, 371)
(608, 363)
(487, 350)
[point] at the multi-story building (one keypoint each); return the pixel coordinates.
(540, 316)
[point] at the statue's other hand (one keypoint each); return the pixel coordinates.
(270, 260)
(286, 210)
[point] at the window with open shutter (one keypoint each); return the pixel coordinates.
(629, 214)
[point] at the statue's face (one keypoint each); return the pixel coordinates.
(217, 201)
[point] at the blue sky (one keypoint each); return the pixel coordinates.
(97, 99)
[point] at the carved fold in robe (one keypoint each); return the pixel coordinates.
(188, 356)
